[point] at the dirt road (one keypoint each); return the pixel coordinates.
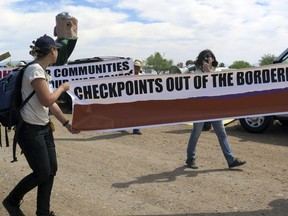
(118, 173)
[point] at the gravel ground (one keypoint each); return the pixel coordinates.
(119, 173)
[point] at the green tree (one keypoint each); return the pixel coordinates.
(239, 64)
(267, 59)
(158, 63)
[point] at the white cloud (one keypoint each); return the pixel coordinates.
(234, 30)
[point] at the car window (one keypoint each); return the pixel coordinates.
(282, 58)
(285, 58)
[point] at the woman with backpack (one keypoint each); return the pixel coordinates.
(35, 134)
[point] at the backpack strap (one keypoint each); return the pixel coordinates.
(26, 100)
(15, 139)
(6, 136)
(32, 93)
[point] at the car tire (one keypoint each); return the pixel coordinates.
(257, 124)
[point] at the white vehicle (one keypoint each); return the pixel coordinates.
(260, 124)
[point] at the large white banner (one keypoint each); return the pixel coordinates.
(162, 99)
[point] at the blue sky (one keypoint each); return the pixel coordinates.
(234, 30)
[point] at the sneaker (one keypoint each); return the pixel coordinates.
(237, 162)
(11, 209)
(137, 131)
(191, 163)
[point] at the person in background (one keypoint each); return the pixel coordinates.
(138, 67)
(137, 71)
(35, 133)
(205, 63)
(21, 64)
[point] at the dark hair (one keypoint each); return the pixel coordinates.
(37, 52)
(203, 55)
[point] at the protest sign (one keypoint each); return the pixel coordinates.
(112, 67)
(141, 101)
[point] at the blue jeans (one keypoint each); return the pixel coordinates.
(37, 144)
(222, 138)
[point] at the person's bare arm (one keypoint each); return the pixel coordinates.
(46, 97)
(57, 112)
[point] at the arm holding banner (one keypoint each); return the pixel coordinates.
(57, 112)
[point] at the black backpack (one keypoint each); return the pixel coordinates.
(12, 103)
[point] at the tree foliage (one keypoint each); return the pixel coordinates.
(158, 63)
(267, 59)
(239, 64)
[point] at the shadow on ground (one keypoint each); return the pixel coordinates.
(279, 207)
(170, 176)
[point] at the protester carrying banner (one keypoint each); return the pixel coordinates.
(137, 71)
(206, 62)
(35, 133)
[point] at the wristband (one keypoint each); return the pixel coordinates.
(65, 123)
